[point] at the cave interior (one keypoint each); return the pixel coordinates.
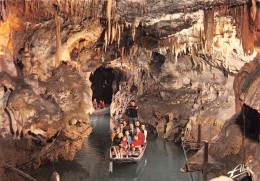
(105, 83)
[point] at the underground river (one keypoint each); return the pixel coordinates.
(162, 160)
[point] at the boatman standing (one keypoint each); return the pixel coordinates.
(131, 112)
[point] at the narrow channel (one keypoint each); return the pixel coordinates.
(162, 160)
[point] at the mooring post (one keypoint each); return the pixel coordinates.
(199, 135)
(111, 167)
(205, 162)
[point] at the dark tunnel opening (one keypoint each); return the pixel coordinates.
(249, 121)
(105, 83)
(102, 81)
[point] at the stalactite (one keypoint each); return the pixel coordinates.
(38, 5)
(67, 6)
(208, 22)
(184, 12)
(227, 54)
(109, 7)
(131, 51)
(77, 11)
(106, 41)
(84, 9)
(122, 27)
(133, 31)
(122, 51)
(200, 40)
(2, 8)
(253, 10)
(26, 7)
(72, 7)
(247, 35)
(33, 6)
(119, 36)
(113, 33)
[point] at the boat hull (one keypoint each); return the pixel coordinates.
(130, 159)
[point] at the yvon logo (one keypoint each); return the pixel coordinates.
(240, 170)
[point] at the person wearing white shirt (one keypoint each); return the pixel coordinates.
(144, 131)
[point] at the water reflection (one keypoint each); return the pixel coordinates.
(162, 160)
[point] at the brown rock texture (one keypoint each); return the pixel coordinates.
(49, 120)
(186, 63)
(246, 86)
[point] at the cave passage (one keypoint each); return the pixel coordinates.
(104, 84)
(251, 124)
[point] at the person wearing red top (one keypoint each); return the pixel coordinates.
(140, 135)
(101, 104)
(136, 144)
(123, 146)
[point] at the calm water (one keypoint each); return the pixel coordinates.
(162, 160)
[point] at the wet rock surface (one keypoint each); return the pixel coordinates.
(186, 65)
(49, 120)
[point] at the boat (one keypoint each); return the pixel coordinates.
(131, 158)
(101, 111)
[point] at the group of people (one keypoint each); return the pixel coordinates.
(99, 105)
(128, 137)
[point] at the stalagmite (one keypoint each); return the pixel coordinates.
(58, 40)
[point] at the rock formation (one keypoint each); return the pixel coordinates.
(188, 64)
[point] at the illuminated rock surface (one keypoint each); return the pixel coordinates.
(185, 63)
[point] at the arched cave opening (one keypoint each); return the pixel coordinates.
(105, 83)
(249, 121)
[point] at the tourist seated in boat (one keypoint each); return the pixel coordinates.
(95, 104)
(126, 126)
(137, 124)
(131, 129)
(115, 145)
(123, 146)
(143, 129)
(136, 144)
(101, 104)
(140, 135)
(116, 132)
(128, 138)
(125, 123)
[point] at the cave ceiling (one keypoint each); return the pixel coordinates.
(153, 25)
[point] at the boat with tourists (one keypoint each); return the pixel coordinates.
(101, 110)
(130, 159)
